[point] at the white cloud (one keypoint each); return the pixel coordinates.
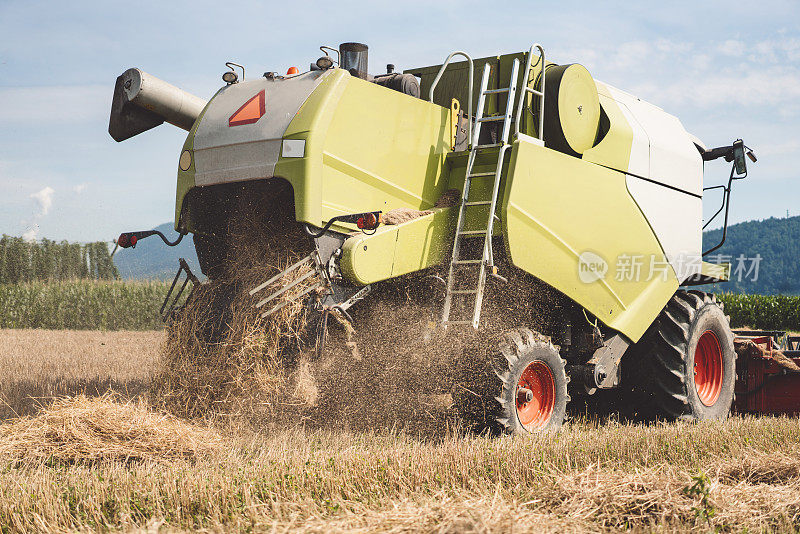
(673, 47)
(55, 103)
(732, 47)
(44, 198)
(700, 61)
(31, 233)
(80, 188)
(766, 87)
(630, 55)
(777, 50)
(718, 75)
(780, 149)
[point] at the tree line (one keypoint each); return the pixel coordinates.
(46, 260)
(763, 256)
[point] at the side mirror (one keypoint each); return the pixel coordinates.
(738, 157)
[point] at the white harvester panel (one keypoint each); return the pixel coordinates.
(665, 178)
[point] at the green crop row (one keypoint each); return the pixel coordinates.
(763, 312)
(82, 305)
(116, 305)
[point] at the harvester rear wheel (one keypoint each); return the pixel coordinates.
(684, 367)
(521, 389)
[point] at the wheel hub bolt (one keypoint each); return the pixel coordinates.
(524, 395)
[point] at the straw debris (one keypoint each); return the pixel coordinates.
(221, 358)
(392, 366)
(747, 348)
(88, 429)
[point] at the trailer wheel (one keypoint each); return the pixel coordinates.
(684, 367)
(522, 389)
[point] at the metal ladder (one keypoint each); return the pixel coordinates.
(458, 262)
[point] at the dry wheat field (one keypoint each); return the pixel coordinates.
(99, 461)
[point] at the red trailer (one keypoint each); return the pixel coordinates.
(767, 372)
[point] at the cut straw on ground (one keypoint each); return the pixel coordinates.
(590, 477)
(103, 428)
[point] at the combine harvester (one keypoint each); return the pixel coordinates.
(562, 179)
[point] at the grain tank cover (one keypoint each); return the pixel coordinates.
(572, 109)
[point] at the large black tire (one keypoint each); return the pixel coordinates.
(486, 393)
(684, 367)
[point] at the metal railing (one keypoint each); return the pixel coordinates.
(526, 90)
(469, 101)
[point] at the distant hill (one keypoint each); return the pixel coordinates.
(777, 241)
(153, 260)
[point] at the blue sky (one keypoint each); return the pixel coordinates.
(725, 69)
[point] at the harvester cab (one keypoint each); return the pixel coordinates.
(508, 168)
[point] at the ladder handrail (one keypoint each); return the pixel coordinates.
(526, 90)
(469, 102)
(512, 87)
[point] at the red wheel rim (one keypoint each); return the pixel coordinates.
(708, 369)
(538, 378)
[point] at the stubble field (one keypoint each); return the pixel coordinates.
(743, 474)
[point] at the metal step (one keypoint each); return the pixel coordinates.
(493, 145)
(472, 232)
(495, 91)
(492, 119)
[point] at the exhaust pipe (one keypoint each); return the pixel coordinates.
(142, 101)
(353, 58)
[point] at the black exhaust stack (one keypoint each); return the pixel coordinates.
(353, 57)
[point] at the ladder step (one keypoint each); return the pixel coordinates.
(481, 174)
(495, 91)
(493, 145)
(463, 291)
(492, 119)
(472, 232)
(467, 262)
(457, 322)
(478, 203)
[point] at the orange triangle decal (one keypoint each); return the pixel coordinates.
(250, 112)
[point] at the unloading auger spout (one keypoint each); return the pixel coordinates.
(142, 101)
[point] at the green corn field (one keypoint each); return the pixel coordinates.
(767, 312)
(118, 305)
(82, 305)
